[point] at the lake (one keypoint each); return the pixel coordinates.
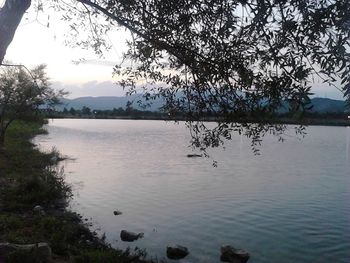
(289, 204)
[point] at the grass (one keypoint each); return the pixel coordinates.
(28, 178)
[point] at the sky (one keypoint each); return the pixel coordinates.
(36, 43)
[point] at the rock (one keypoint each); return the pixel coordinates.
(233, 255)
(42, 251)
(117, 213)
(176, 252)
(39, 210)
(130, 236)
(193, 155)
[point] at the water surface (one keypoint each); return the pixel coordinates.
(290, 204)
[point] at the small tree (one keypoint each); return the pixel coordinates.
(22, 94)
(72, 111)
(86, 110)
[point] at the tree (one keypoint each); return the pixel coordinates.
(72, 111)
(10, 16)
(86, 110)
(238, 60)
(23, 94)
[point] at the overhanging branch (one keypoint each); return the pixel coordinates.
(10, 16)
(162, 45)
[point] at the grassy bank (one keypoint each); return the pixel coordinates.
(30, 178)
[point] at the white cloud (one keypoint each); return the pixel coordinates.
(91, 88)
(325, 91)
(41, 41)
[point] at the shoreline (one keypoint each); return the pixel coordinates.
(33, 204)
(287, 121)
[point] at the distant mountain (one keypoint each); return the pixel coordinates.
(105, 103)
(321, 105)
(324, 105)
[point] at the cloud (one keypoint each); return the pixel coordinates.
(97, 88)
(325, 91)
(96, 62)
(91, 88)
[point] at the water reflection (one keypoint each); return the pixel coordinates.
(290, 204)
(348, 143)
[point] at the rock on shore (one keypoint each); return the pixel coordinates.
(233, 255)
(176, 252)
(127, 236)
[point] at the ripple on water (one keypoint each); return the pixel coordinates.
(290, 204)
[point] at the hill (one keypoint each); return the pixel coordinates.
(105, 103)
(324, 105)
(320, 105)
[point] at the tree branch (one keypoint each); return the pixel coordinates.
(172, 50)
(10, 16)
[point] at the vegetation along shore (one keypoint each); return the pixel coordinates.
(33, 208)
(306, 118)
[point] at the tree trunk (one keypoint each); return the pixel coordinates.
(10, 17)
(2, 140)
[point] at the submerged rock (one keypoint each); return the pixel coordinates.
(117, 212)
(176, 252)
(233, 255)
(193, 155)
(130, 236)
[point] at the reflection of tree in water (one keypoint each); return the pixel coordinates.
(348, 143)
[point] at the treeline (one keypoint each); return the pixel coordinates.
(86, 112)
(315, 118)
(307, 118)
(316, 115)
